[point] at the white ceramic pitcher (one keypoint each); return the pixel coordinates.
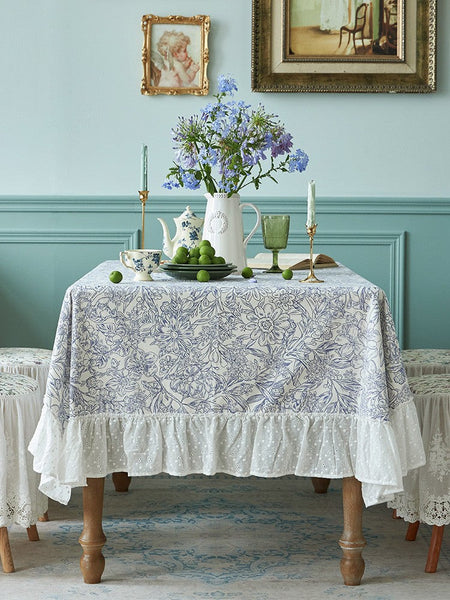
(223, 227)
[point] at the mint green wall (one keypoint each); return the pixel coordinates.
(72, 121)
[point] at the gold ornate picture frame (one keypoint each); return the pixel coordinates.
(175, 55)
(307, 46)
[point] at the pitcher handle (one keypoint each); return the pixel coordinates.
(258, 220)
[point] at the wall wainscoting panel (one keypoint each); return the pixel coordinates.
(157, 204)
(48, 242)
(37, 267)
(126, 239)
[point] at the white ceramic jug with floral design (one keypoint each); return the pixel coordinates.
(223, 227)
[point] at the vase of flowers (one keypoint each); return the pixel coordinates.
(227, 147)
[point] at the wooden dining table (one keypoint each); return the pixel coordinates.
(250, 377)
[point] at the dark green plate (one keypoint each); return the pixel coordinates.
(175, 267)
(192, 273)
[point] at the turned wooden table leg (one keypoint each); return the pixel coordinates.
(5, 551)
(121, 481)
(352, 541)
(320, 484)
(92, 538)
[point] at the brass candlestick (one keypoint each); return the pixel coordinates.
(143, 197)
(311, 231)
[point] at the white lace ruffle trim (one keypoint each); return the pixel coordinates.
(20, 500)
(266, 445)
(435, 510)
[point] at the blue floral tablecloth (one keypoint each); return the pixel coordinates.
(262, 378)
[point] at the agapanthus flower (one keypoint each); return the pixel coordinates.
(231, 145)
(282, 144)
(187, 160)
(226, 85)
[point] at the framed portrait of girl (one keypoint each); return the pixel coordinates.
(175, 55)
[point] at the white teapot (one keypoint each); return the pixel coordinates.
(188, 232)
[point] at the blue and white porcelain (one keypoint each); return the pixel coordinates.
(188, 232)
(142, 262)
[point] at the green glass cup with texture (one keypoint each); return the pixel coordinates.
(275, 230)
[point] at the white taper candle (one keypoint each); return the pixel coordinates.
(311, 215)
(144, 168)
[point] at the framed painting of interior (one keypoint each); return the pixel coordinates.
(344, 46)
(175, 55)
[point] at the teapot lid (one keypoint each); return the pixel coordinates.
(187, 214)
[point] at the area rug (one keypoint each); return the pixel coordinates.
(222, 538)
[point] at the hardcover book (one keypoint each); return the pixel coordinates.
(296, 262)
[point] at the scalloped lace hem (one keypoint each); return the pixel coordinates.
(14, 509)
(377, 453)
(435, 510)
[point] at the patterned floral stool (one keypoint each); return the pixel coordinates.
(426, 495)
(426, 361)
(20, 500)
(33, 362)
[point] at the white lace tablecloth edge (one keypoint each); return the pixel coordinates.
(378, 453)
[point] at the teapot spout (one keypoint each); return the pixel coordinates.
(167, 242)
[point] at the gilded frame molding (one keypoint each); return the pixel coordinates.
(164, 73)
(274, 71)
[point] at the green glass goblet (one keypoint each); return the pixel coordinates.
(275, 230)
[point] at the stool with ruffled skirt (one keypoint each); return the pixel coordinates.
(21, 502)
(426, 495)
(33, 362)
